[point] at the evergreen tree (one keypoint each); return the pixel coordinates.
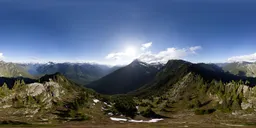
(4, 90)
(16, 85)
(23, 82)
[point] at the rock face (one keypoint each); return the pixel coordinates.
(249, 98)
(38, 100)
(35, 89)
(243, 94)
(45, 93)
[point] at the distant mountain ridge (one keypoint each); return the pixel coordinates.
(241, 68)
(81, 73)
(13, 70)
(175, 70)
(126, 79)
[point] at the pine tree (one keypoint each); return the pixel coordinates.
(4, 90)
(16, 85)
(23, 82)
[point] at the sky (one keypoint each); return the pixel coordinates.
(118, 31)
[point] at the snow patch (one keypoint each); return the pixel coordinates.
(107, 104)
(143, 64)
(143, 121)
(95, 100)
(155, 120)
(117, 119)
(110, 114)
(102, 108)
(136, 121)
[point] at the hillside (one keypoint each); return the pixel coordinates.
(13, 70)
(241, 68)
(81, 73)
(199, 88)
(52, 98)
(175, 70)
(125, 79)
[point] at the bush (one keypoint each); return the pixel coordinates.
(77, 116)
(195, 104)
(125, 105)
(148, 113)
(203, 112)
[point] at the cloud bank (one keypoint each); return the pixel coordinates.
(168, 54)
(1, 56)
(248, 58)
(147, 56)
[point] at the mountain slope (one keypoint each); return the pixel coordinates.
(81, 73)
(175, 70)
(241, 68)
(202, 88)
(125, 79)
(50, 98)
(13, 70)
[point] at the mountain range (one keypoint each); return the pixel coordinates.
(59, 92)
(126, 79)
(81, 73)
(241, 68)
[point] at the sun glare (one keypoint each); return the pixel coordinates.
(130, 51)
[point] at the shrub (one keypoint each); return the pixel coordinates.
(148, 113)
(125, 105)
(203, 111)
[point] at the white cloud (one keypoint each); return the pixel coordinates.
(195, 48)
(123, 57)
(249, 58)
(148, 56)
(168, 54)
(115, 56)
(145, 46)
(1, 56)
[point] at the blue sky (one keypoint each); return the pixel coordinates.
(93, 30)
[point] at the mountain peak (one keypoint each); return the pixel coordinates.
(54, 76)
(138, 62)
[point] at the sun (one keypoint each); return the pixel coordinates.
(131, 51)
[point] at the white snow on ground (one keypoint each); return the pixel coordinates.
(136, 121)
(143, 64)
(107, 104)
(110, 114)
(155, 120)
(117, 119)
(95, 100)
